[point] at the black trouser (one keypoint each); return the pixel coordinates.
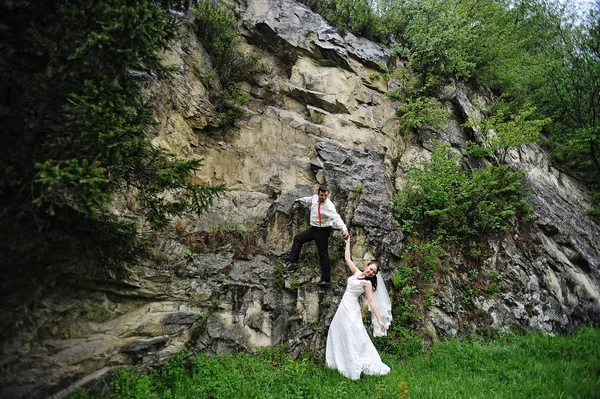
(321, 237)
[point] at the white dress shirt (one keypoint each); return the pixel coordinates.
(329, 216)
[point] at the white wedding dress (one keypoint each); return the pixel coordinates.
(349, 348)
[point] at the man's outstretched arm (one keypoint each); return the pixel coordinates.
(304, 200)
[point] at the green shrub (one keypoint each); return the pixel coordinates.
(504, 130)
(401, 276)
(295, 283)
(429, 299)
(444, 207)
(217, 28)
(421, 112)
(493, 288)
(495, 274)
(443, 202)
(594, 211)
(356, 16)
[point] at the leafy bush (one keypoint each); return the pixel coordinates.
(421, 112)
(504, 130)
(442, 201)
(401, 276)
(217, 28)
(437, 44)
(356, 16)
(445, 209)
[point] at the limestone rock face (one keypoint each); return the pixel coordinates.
(273, 21)
(215, 283)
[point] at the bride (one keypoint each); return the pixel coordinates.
(349, 348)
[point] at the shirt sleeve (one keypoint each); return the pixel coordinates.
(338, 223)
(306, 201)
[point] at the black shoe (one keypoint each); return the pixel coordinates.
(324, 284)
(290, 267)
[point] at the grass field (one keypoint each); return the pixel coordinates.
(531, 366)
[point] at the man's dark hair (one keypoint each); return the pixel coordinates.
(323, 189)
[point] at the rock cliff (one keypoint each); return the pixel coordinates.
(216, 284)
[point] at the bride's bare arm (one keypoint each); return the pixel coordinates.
(348, 258)
(369, 292)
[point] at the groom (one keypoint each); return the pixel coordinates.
(323, 219)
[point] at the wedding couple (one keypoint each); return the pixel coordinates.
(349, 348)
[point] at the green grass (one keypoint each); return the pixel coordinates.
(530, 366)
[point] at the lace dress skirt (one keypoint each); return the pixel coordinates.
(349, 348)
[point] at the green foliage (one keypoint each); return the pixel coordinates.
(594, 213)
(511, 367)
(401, 276)
(503, 131)
(408, 290)
(188, 255)
(215, 303)
(495, 274)
(493, 288)
(216, 26)
(130, 384)
(357, 16)
(429, 299)
(79, 393)
(431, 252)
(421, 112)
(181, 5)
(76, 129)
(540, 55)
(279, 280)
(468, 294)
(444, 207)
(327, 302)
(571, 96)
(412, 280)
(403, 344)
(442, 201)
(78, 183)
(295, 283)
(338, 247)
(436, 38)
(286, 56)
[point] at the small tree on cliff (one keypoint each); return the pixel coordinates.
(76, 130)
